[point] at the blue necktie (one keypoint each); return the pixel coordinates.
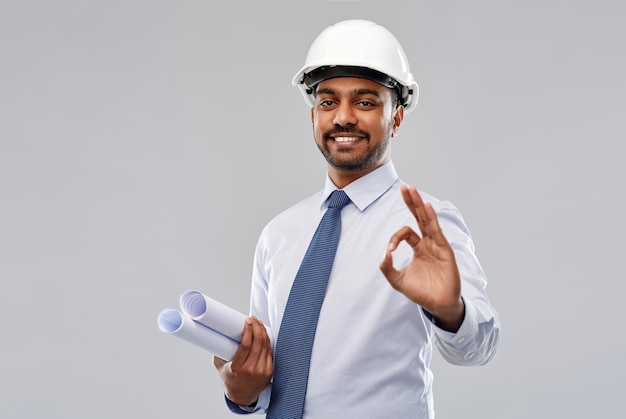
(297, 329)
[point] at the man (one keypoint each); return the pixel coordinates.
(386, 303)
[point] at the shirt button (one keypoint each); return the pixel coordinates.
(470, 355)
(460, 340)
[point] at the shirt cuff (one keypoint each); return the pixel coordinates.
(260, 406)
(468, 329)
(235, 408)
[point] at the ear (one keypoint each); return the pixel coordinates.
(313, 115)
(398, 116)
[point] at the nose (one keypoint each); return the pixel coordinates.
(345, 115)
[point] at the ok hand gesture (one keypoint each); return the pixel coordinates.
(432, 278)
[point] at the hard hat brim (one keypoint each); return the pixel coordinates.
(308, 80)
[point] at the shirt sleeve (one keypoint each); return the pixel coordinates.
(476, 342)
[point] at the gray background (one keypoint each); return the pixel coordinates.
(144, 144)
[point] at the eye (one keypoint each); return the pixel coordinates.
(324, 103)
(366, 104)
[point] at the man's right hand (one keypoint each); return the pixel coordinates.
(252, 367)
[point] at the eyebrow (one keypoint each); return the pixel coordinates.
(357, 92)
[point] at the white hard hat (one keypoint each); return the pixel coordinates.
(358, 48)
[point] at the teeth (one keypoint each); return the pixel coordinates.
(346, 139)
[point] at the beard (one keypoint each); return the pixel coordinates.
(350, 162)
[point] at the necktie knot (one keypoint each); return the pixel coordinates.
(338, 199)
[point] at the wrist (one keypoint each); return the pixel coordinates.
(243, 402)
(449, 318)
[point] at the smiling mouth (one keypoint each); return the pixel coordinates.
(346, 139)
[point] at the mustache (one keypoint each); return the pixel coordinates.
(345, 130)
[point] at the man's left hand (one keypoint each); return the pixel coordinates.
(432, 277)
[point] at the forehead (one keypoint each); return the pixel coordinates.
(353, 86)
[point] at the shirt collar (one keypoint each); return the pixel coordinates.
(367, 189)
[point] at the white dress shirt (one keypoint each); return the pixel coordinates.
(373, 346)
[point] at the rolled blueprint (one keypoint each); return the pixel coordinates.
(176, 323)
(213, 314)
